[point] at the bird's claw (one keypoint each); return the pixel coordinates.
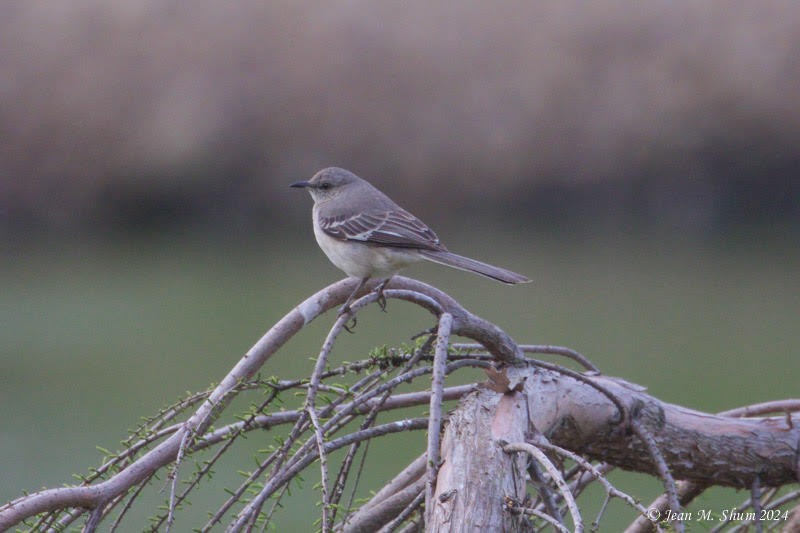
(382, 301)
(381, 297)
(348, 325)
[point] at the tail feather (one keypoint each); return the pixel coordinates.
(472, 265)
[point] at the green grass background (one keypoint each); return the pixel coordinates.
(95, 335)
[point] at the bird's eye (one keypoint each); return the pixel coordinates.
(325, 186)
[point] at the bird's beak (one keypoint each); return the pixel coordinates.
(300, 184)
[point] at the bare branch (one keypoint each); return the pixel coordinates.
(403, 516)
(435, 416)
(538, 514)
(594, 472)
(761, 409)
(306, 460)
(755, 503)
(586, 417)
(688, 490)
(173, 476)
(406, 477)
(310, 407)
(691, 442)
(383, 512)
(542, 349)
(555, 475)
(661, 466)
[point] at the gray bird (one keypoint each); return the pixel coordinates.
(367, 235)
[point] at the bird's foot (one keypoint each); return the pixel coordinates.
(351, 322)
(382, 301)
(381, 297)
(348, 327)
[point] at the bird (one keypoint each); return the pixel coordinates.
(367, 235)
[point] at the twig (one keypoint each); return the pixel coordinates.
(586, 478)
(546, 495)
(302, 463)
(173, 475)
(129, 503)
(410, 474)
(593, 471)
(377, 405)
(555, 475)
(689, 490)
(662, 468)
(540, 348)
(538, 514)
(761, 409)
(601, 512)
(435, 416)
(560, 350)
(47, 519)
(755, 503)
(344, 472)
(387, 510)
(94, 519)
(311, 409)
(404, 514)
(786, 498)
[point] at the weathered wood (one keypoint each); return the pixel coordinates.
(702, 447)
(476, 474)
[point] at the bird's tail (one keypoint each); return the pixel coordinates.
(471, 265)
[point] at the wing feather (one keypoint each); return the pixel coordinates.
(394, 228)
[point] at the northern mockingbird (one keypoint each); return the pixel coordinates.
(365, 234)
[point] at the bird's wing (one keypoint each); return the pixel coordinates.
(394, 228)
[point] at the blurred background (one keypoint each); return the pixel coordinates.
(639, 161)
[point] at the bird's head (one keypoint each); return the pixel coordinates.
(329, 183)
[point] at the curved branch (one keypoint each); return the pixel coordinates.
(90, 496)
(497, 342)
(578, 412)
(555, 476)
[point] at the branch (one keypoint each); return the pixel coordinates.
(689, 490)
(91, 496)
(409, 475)
(380, 514)
(594, 416)
(577, 413)
(435, 416)
(578, 417)
(555, 475)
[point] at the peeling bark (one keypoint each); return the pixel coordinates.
(476, 476)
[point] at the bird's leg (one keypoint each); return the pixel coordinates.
(381, 297)
(343, 310)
